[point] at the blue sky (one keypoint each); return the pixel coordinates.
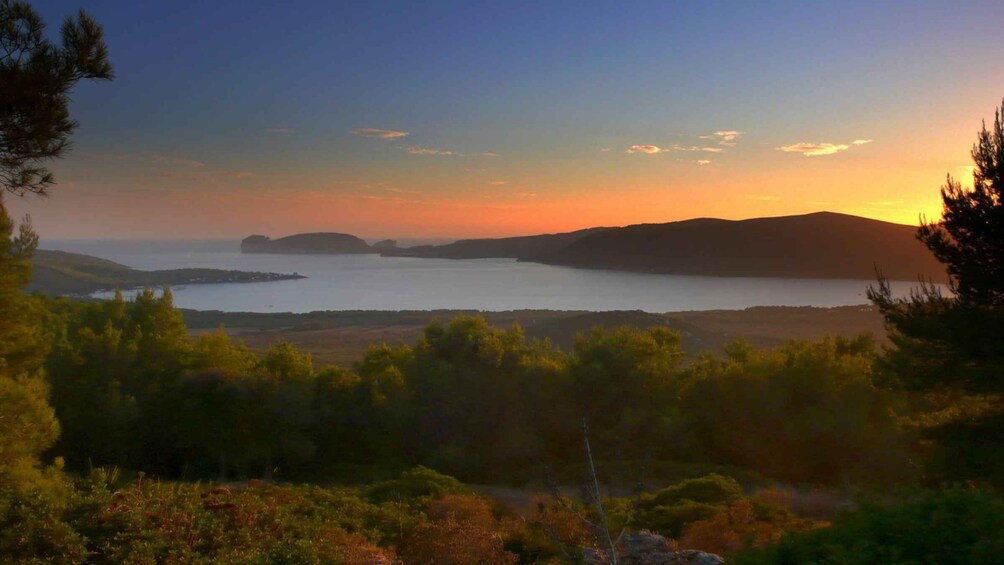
(516, 110)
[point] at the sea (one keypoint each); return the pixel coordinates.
(371, 282)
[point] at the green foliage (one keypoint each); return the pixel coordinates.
(807, 411)
(955, 525)
(154, 522)
(670, 510)
(468, 399)
(33, 526)
(670, 520)
(415, 488)
(623, 382)
(955, 343)
(710, 489)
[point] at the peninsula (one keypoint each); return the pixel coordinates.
(64, 273)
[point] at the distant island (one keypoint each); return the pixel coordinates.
(310, 244)
(822, 245)
(62, 273)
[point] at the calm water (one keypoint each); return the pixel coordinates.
(370, 282)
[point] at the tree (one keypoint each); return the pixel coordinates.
(969, 239)
(956, 341)
(35, 79)
(37, 76)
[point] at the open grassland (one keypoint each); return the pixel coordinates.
(343, 337)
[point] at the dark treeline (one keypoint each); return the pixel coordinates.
(132, 388)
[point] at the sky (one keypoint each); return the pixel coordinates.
(477, 119)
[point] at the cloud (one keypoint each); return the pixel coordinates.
(384, 134)
(280, 131)
(444, 152)
(429, 151)
(726, 137)
(707, 149)
(704, 162)
(813, 149)
(817, 149)
(763, 197)
(176, 161)
(646, 149)
(499, 182)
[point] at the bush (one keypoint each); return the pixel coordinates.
(461, 530)
(710, 489)
(951, 526)
(415, 487)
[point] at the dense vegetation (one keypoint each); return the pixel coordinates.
(109, 411)
(469, 399)
(133, 390)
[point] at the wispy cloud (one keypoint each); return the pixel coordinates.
(817, 149)
(385, 134)
(280, 131)
(429, 151)
(707, 149)
(445, 152)
(763, 197)
(499, 182)
(724, 137)
(645, 149)
(703, 162)
(813, 149)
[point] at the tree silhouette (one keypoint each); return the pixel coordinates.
(957, 341)
(970, 236)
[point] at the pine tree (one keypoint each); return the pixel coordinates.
(36, 76)
(957, 341)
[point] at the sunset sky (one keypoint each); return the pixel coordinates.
(466, 119)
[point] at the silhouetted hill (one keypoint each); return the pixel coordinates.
(307, 243)
(819, 245)
(61, 272)
(526, 248)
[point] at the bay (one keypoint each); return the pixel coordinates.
(371, 282)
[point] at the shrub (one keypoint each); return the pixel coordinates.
(415, 487)
(955, 525)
